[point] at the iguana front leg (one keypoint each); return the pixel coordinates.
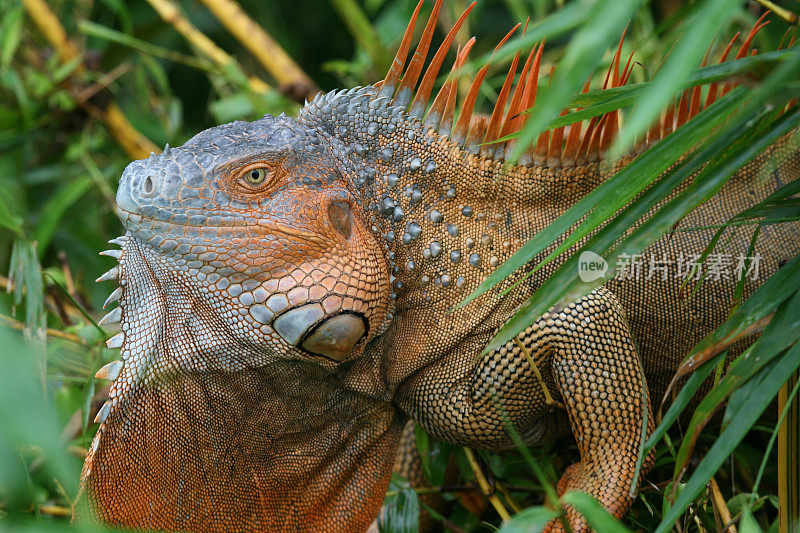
(586, 359)
(600, 379)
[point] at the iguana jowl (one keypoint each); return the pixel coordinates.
(286, 301)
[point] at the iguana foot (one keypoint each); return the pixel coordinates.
(603, 480)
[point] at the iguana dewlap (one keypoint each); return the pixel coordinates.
(287, 291)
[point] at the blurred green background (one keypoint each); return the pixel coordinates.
(60, 160)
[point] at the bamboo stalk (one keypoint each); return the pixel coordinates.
(52, 29)
(269, 53)
(171, 14)
(785, 14)
(484, 485)
(509, 498)
(789, 460)
(55, 510)
(131, 140)
(721, 508)
(55, 333)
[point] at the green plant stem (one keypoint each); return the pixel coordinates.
(771, 443)
(102, 32)
(362, 31)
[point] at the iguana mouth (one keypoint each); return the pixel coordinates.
(133, 223)
(131, 216)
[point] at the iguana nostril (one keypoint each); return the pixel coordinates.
(341, 218)
(148, 186)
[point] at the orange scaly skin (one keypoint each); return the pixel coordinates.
(286, 303)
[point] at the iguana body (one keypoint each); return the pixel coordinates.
(287, 304)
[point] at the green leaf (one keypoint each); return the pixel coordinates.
(684, 397)
(684, 57)
(748, 524)
(400, 512)
(601, 101)
(87, 395)
(423, 448)
(550, 494)
(11, 80)
(362, 31)
(744, 500)
(760, 304)
(572, 16)
(605, 22)
(25, 276)
(742, 151)
(56, 207)
(767, 383)
(28, 420)
(8, 220)
(10, 34)
(235, 107)
(99, 31)
(724, 156)
(721, 158)
(597, 516)
(564, 286)
(608, 198)
(530, 520)
(434, 456)
(119, 8)
(759, 67)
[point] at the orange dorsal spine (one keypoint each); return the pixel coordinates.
(564, 146)
(425, 88)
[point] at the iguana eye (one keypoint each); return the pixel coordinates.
(255, 176)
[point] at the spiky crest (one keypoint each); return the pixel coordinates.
(563, 147)
(420, 171)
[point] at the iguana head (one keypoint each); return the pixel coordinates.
(257, 217)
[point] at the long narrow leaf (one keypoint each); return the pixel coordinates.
(758, 67)
(595, 514)
(774, 340)
(605, 23)
(56, 207)
(685, 56)
(683, 398)
(565, 285)
(530, 520)
(760, 304)
(601, 101)
(572, 16)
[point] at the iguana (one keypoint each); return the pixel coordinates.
(287, 299)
